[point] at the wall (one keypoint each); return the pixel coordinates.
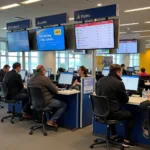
(145, 60)
(48, 60)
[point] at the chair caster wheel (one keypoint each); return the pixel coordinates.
(12, 122)
(2, 120)
(95, 141)
(91, 146)
(30, 133)
(45, 134)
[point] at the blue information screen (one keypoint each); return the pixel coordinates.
(18, 41)
(51, 39)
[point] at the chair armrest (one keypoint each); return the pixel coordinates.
(149, 121)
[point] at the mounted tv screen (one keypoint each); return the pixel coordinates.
(128, 47)
(51, 39)
(102, 51)
(95, 35)
(18, 41)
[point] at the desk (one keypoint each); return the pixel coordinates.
(71, 117)
(147, 84)
(139, 116)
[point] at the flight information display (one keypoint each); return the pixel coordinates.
(95, 35)
(51, 39)
(128, 47)
(102, 51)
(18, 41)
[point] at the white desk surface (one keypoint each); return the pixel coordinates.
(136, 100)
(68, 92)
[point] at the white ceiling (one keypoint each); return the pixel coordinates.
(49, 7)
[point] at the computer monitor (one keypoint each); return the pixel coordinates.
(130, 69)
(66, 78)
(23, 74)
(131, 82)
(105, 72)
(71, 70)
(136, 68)
(47, 74)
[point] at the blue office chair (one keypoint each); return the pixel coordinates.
(101, 110)
(37, 99)
(4, 95)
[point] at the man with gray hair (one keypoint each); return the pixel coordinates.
(49, 91)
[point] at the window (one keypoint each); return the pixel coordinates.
(134, 60)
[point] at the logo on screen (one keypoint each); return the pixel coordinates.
(57, 32)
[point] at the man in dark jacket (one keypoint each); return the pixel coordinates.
(3, 72)
(14, 83)
(124, 72)
(49, 91)
(113, 88)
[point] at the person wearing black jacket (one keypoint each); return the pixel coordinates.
(16, 91)
(113, 88)
(3, 72)
(124, 72)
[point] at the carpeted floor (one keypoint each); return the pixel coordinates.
(16, 137)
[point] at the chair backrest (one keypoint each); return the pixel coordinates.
(36, 97)
(100, 106)
(4, 90)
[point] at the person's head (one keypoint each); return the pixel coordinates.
(83, 71)
(41, 70)
(123, 66)
(143, 69)
(60, 70)
(6, 68)
(17, 67)
(115, 69)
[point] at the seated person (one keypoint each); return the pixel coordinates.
(49, 91)
(3, 72)
(113, 88)
(124, 72)
(82, 71)
(144, 105)
(143, 73)
(16, 91)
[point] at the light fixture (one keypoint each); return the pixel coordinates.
(98, 5)
(141, 31)
(123, 32)
(9, 6)
(146, 36)
(30, 1)
(4, 28)
(128, 24)
(137, 9)
(147, 22)
(71, 18)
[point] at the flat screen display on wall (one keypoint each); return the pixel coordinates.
(95, 35)
(51, 39)
(128, 47)
(18, 41)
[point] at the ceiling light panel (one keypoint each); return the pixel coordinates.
(147, 22)
(142, 31)
(129, 24)
(30, 1)
(9, 6)
(137, 9)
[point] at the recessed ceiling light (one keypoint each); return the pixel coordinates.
(129, 24)
(9, 6)
(4, 28)
(137, 9)
(123, 32)
(71, 18)
(145, 36)
(30, 1)
(98, 5)
(147, 22)
(142, 31)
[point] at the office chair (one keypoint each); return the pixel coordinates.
(37, 99)
(149, 121)
(101, 110)
(4, 93)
